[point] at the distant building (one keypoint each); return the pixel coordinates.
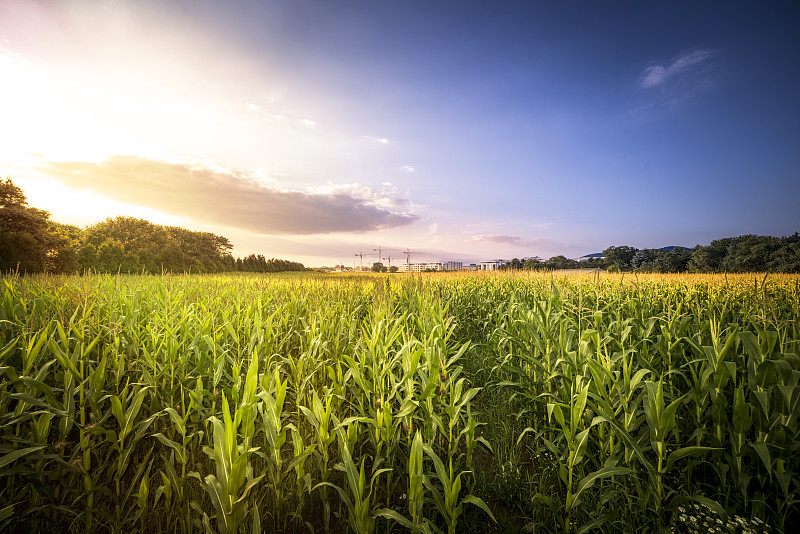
(430, 265)
(491, 265)
(427, 266)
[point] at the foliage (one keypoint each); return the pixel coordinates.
(749, 253)
(31, 242)
(619, 258)
(24, 239)
(310, 403)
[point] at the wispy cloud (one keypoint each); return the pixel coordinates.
(376, 140)
(225, 197)
(673, 85)
(503, 239)
(684, 64)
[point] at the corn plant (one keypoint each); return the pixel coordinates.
(448, 500)
(356, 495)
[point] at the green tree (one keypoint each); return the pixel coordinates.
(532, 264)
(63, 257)
(393, 269)
(377, 267)
(560, 262)
(676, 261)
(710, 258)
(24, 238)
(786, 258)
(619, 258)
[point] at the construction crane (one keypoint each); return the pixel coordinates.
(361, 257)
(390, 261)
(408, 254)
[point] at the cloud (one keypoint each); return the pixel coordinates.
(376, 140)
(232, 199)
(685, 64)
(408, 168)
(503, 239)
(388, 198)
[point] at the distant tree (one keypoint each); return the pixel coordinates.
(24, 237)
(560, 262)
(787, 258)
(676, 261)
(619, 258)
(645, 259)
(593, 263)
(377, 267)
(532, 264)
(750, 253)
(63, 256)
(515, 264)
(710, 258)
(393, 269)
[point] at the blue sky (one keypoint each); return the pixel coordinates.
(314, 130)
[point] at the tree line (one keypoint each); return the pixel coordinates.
(30, 242)
(745, 253)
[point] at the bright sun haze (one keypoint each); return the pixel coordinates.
(459, 130)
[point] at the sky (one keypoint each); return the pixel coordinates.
(314, 130)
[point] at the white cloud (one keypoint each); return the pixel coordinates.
(504, 239)
(408, 168)
(684, 63)
(308, 123)
(234, 199)
(388, 197)
(376, 140)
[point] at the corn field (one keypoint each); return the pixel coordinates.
(461, 403)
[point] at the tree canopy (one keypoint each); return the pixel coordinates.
(747, 253)
(30, 242)
(25, 242)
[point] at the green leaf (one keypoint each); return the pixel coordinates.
(604, 472)
(16, 455)
(218, 498)
(250, 484)
(6, 512)
(763, 452)
(477, 501)
(395, 516)
(169, 443)
(544, 499)
(683, 453)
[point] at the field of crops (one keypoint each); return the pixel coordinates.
(375, 403)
